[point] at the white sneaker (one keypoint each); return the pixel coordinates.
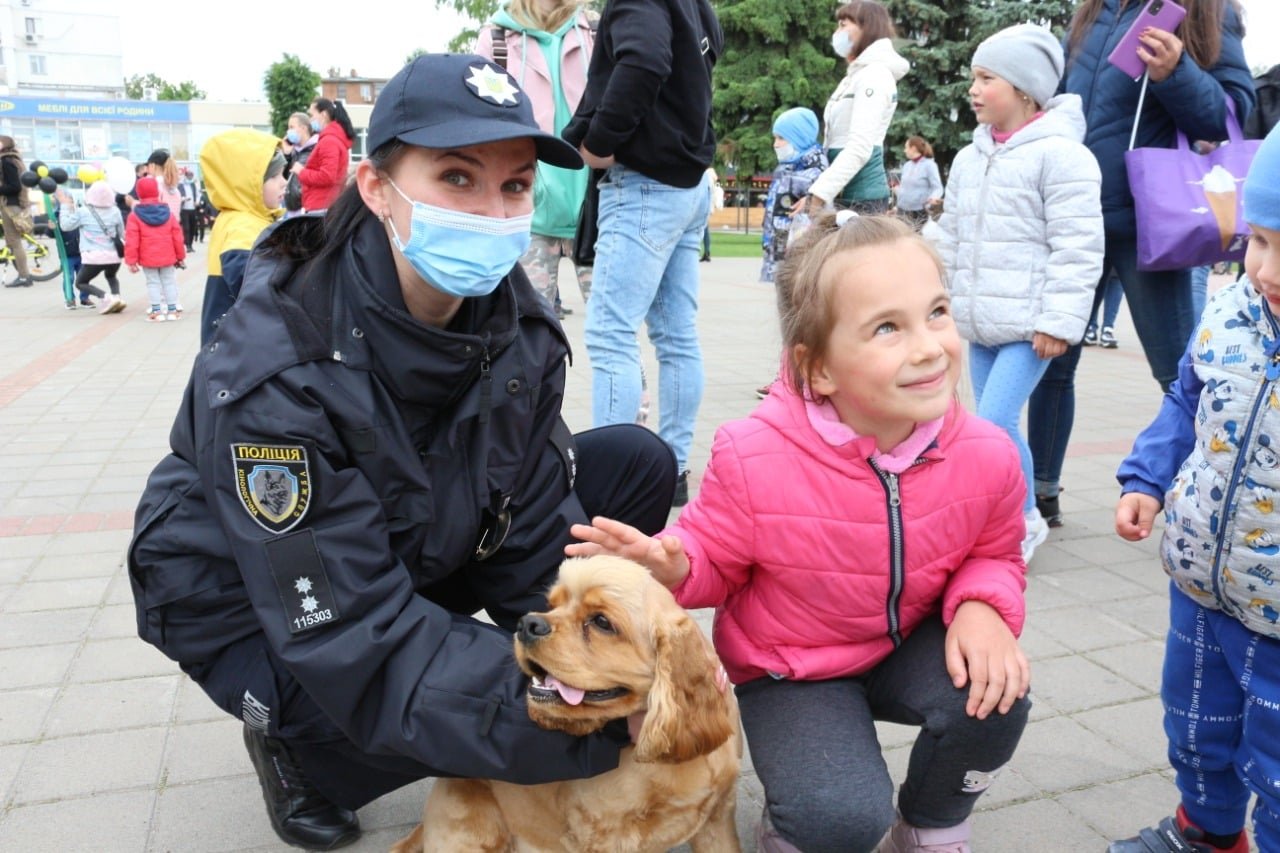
(1037, 532)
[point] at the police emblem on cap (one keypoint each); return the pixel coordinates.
(492, 85)
(273, 482)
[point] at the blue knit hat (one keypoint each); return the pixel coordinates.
(1262, 186)
(799, 126)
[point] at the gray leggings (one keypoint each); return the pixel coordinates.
(814, 747)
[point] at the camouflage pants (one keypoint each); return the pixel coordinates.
(541, 263)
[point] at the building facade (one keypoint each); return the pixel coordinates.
(60, 48)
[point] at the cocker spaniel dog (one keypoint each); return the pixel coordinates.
(614, 643)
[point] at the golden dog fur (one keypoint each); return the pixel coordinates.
(676, 784)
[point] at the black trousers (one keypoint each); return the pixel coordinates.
(188, 220)
(624, 472)
(88, 272)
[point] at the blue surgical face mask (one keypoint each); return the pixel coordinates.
(315, 125)
(292, 137)
(461, 254)
(841, 43)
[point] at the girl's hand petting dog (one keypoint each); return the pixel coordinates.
(664, 558)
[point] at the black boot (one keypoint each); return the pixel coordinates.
(299, 814)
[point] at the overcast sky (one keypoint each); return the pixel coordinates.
(227, 46)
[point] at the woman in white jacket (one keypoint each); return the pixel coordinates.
(1022, 234)
(858, 113)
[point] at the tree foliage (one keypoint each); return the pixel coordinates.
(776, 56)
(136, 88)
(291, 85)
(477, 11)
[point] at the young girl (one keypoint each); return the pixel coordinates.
(1210, 458)
(154, 244)
(100, 225)
(881, 579)
(1022, 231)
(920, 186)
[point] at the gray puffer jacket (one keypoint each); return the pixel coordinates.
(1022, 236)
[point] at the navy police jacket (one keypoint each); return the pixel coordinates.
(1192, 99)
(347, 483)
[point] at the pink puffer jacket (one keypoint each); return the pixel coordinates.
(791, 538)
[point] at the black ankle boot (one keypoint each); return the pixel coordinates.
(1050, 510)
(299, 813)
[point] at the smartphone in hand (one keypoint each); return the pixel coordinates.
(1160, 14)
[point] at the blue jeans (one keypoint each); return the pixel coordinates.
(1003, 379)
(1108, 296)
(1199, 292)
(647, 271)
(1160, 305)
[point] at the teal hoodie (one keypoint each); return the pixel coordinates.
(557, 193)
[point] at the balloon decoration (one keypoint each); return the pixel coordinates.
(120, 175)
(38, 175)
(89, 174)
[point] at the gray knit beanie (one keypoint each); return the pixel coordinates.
(1028, 56)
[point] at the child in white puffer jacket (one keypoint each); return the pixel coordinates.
(1022, 234)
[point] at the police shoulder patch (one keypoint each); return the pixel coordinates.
(273, 482)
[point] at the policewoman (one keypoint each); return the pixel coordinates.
(370, 450)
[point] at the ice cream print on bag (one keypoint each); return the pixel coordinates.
(1223, 196)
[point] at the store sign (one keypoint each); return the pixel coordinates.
(74, 109)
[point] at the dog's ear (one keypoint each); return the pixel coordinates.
(688, 716)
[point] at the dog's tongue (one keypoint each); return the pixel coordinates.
(572, 695)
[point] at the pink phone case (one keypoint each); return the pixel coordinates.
(1161, 14)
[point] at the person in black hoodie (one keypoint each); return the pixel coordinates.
(13, 201)
(645, 118)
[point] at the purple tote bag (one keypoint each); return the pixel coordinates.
(1189, 206)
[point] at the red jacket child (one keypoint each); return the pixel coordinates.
(153, 235)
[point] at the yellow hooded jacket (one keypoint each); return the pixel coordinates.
(233, 164)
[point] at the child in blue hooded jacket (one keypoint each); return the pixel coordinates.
(800, 162)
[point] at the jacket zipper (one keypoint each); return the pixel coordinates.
(486, 385)
(893, 503)
(977, 252)
(1272, 374)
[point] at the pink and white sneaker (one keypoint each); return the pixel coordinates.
(905, 838)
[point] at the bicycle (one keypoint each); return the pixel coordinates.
(42, 260)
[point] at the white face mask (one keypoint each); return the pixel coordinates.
(786, 152)
(841, 43)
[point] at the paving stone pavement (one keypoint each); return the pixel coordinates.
(106, 746)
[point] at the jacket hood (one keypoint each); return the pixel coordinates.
(234, 163)
(1063, 116)
(331, 129)
(421, 364)
(503, 19)
(100, 194)
(784, 410)
(881, 52)
(152, 213)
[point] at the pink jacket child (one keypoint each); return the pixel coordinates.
(785, 510)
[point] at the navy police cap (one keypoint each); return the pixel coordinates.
(449, 100)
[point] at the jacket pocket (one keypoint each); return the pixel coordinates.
(187, 589)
